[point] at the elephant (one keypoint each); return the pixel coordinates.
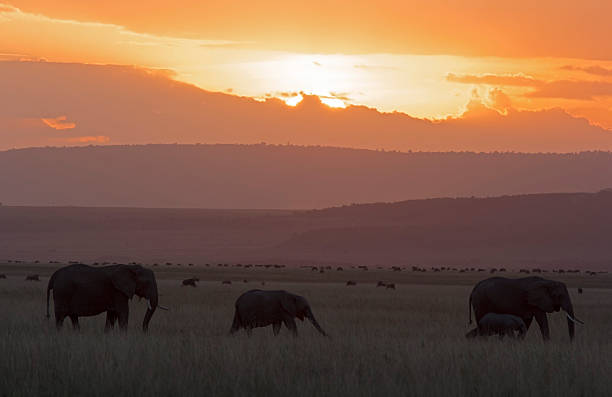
(32, 277)
(499, 324)
(381, 284)
(390, 286)
(526, 298)
(81, 290)
(2, 275)
(258, 308)
(351, 283)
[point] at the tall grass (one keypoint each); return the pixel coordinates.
(404, 342)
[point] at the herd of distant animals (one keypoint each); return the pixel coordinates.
(502, 306)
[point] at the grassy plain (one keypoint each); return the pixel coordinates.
(408, 341)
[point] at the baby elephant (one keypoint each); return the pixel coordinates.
(499, 324)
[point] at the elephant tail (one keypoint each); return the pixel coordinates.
(49, 288)
(236, 324)
(470, 309)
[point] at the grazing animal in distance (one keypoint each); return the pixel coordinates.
(258, 308)
(2, 275)
(190, 281)
(380, 284)
(32, 277)
(391, 286)
(579, 290)
(226, 282)
(350, 283)
(499, 324)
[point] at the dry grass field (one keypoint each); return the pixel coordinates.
(408, 341)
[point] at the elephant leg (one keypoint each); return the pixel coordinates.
(472, 334)
(59, 320)
(290, 323)
(75, 321)
(543, 323)
(528, 322)
(111, 317)
(276, 328)
(122, 313)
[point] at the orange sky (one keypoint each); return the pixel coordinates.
(426, 59)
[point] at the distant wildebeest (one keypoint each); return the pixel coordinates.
(499, 324)
(32, 277)
(245, 281)
(350, 283)
(314, 268)
(2, 275)
(190, 281)
(226, 282)
(339, 269)
(380, 284)
(579, 290)
(391, 286)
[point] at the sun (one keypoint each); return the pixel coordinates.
(326, 100)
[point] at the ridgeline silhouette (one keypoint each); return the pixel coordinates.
(280, 176)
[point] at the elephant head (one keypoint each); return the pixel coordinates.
(550, 296)
(134, 279)
(297, 306)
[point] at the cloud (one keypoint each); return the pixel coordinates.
(499, 100)
(571, 89)
(88, 139)
(563, 89)
(494, 79)
(59, 123)
(595, 70)
(148, 108)
(344, 96)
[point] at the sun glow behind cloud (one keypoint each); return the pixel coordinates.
(418, 85)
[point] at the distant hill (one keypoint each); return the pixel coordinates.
(544, 230)
(281, 177)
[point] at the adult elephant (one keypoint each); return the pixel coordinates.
(257, 308)
(526, 298)
(81, 291)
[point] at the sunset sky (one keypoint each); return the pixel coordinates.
(425, 59)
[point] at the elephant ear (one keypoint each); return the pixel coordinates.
(288, 303)
(539, 296)
(123, 280)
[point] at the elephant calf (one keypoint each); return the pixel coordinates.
(258, 308)
(499, 324)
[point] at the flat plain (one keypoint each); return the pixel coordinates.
(407, 341)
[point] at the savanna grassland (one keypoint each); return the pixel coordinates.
(408, 341)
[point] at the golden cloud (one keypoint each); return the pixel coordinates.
(59, 123)
(88, 139)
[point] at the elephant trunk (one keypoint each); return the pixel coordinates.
(314, 322)
(569, 309)
(152, 301)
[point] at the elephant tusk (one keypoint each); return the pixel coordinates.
(575, 320)
(149, 304)
(163, 307)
